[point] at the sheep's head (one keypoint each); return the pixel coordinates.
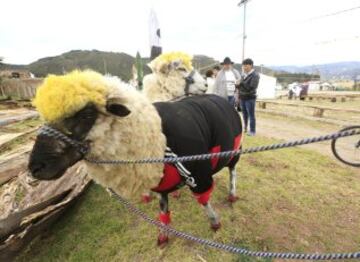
(70, 104)
(178, 65)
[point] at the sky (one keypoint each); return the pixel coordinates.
(279, 32)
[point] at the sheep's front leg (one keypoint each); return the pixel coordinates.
(164, 218)
(213, 217)
(232, 192)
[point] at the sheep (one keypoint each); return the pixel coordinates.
(173, 77)
(168, 82)
(118, 122)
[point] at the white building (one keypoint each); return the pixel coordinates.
(267, 87)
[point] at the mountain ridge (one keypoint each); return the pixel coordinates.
(120, 64)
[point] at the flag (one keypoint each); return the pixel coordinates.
(155, 36)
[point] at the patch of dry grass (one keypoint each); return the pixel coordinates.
(290, 200)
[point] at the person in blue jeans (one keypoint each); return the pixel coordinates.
(247, 94)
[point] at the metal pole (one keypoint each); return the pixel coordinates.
(244, 32)
(105, 66)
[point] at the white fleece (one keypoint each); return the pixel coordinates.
(135, 136)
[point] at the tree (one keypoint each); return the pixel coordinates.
(139, 69)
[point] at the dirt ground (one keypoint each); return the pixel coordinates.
(280, 127)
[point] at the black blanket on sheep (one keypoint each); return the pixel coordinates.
(198, 125)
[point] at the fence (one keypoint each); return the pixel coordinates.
(19, 88)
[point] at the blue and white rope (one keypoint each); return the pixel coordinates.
(227, 154)
(84, 148)
(233, 249)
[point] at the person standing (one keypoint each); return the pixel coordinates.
(226, 80)
(247, 94)
(210, 81)
(216, 69)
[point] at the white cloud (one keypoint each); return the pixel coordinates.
(279, 31)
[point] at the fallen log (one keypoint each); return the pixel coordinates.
(12, 163)
(29, 206)
(14, 119)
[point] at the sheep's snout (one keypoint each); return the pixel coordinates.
(199, 86)
(51, 158)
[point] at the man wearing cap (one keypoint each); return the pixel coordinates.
(226, 80)
(247, 94)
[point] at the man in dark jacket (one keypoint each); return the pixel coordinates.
(247, 94)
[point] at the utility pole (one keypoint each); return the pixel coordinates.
(355, 82)
(244, 2)
(105, 67)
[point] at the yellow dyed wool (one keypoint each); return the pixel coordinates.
(62, 96)
(167, 58)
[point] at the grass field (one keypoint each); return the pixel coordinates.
(290, 200)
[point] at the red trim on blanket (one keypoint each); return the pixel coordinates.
(203, 198)
(165, 218)
(215, 160)
(169, 180)
(237, 142)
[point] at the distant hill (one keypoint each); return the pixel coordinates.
(10, 66)
(118, 64)
(341, 70)
(205, 63)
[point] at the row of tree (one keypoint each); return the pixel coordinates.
(288, 78)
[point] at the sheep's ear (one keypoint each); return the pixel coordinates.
(165, 68)
(176, 64)
(117, 109)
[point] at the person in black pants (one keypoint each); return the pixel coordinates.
(247, 94)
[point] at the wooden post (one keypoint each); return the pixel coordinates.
(318, 112)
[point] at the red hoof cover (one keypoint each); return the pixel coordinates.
(165, 218)
(162, 240)
(146, 199)
(232, 198)
(216, 227)
(176, 194)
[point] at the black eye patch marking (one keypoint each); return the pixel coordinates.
(79, 125)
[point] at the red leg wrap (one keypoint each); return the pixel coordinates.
(146, 199)
(165, 218)
(203, 198)
(176, 194)
(232, 198)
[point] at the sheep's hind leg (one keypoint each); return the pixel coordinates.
(232, 193)
(146, 197)
(164, 218)
(213, 217)
(176, 194)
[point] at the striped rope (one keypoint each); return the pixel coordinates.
(84, 148)
(227, 154)
(52, 132)
(233, 249)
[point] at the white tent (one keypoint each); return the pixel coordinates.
(267, 87)
(314, 86)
